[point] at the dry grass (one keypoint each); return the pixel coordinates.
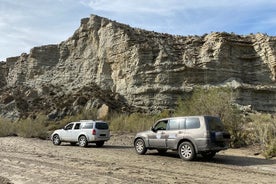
(6, 128)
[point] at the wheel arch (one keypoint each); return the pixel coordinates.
(187, 140)
(82, 134)
(144, 139)
(57, 135)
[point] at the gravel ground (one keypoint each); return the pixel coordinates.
(32, 161)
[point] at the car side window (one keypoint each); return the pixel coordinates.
(192, 123)
(182, 124)
(69, 126)
(88, 126)
(174, 124)
(161, 125)
(77, 126)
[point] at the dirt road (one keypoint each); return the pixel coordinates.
(32, 161)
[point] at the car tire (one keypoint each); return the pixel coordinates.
(208, 154)
(82, 141)
(140, 146)
(186, 151)
(56, 140)
(99, 143)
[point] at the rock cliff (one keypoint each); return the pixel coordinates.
(128, 69)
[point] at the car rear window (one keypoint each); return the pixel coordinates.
(214, 124)
(102, 125)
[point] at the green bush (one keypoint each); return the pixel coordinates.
(130, 123)
(263, 133)
(216, 102)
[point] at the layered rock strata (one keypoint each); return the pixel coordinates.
(130, 69)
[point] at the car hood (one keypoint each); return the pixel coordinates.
(143, 133)
(56, 131)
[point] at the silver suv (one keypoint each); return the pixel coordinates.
(188, 135)
(83, 132)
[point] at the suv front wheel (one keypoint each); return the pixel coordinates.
(186, 151)
(56, 140)
(140, 146)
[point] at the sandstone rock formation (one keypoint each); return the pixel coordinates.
(130, 69)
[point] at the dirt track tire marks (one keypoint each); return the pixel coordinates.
(37, 161)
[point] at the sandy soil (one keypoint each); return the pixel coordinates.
(32, 161)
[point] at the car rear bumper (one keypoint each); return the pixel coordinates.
(96, 139)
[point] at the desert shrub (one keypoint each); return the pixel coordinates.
(6, 128)
(263, 133)
(216, 102)
(130, 122)
(32, 128)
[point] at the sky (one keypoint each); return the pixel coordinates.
(25, 24)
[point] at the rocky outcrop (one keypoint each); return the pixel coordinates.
(130, 69)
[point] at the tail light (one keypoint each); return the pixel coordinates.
(93, 132)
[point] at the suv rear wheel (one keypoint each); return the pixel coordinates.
(140, 146)
(186, 151)
(82, 141)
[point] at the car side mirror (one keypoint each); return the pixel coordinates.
(153, 129)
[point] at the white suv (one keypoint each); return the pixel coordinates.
(82, 132)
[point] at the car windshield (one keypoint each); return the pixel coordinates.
(214, 124)
(102, 125)
(69, 126)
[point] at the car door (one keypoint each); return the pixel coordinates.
(66, 132)
(74, 133)
(157, 139)
(175, 129)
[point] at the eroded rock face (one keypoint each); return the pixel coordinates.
(128, 69)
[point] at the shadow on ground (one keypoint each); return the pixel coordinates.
(103, 147)
(226, 159)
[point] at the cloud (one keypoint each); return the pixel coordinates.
(167, 6)
(28, 23)
(183, 17)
